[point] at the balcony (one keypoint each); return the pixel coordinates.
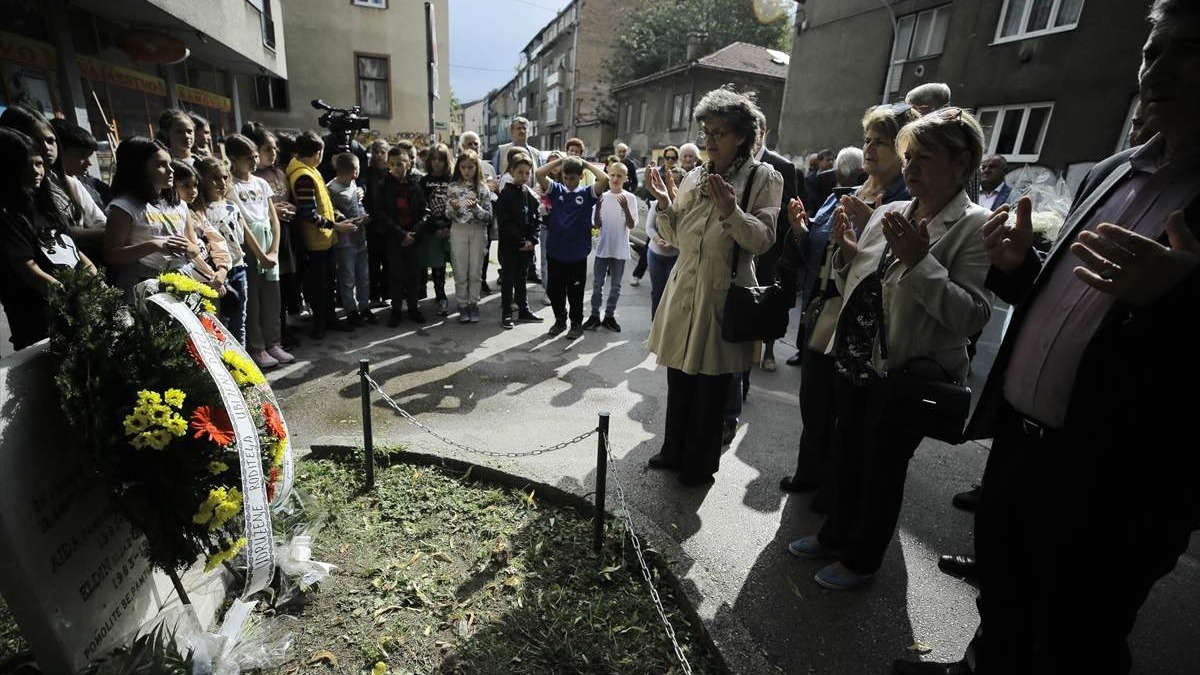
(553, 79)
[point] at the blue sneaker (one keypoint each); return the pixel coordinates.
(810, 548)
(838, 577)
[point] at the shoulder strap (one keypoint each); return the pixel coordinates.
(737, 250)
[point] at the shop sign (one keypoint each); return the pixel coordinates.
(203, 98)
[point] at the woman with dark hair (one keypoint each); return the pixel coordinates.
(435, 246)
(202, 141)
(84, 217)
(146, 233)
(34, 241)
(177, 133)
(705, 219)
(913, 283)
(271, 160)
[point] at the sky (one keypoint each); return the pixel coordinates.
(487, 35)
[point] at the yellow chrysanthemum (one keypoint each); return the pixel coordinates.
(218, 557)
(147, 397)
(204, 514)
(228, 508)
(243, 370)
(277, 452)
(176, 425)
(208, 306)
(136, 422)
(215, 468)
(174, 398)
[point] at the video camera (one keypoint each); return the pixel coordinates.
(342, 123)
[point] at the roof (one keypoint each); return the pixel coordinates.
(735, 57)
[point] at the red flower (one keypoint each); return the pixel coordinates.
(191, 348)
(272, 482)
(274, 421)
(212, 327)
(213, 422)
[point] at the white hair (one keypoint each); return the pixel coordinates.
(849, 163)
(689, 146)
(462, 140)
(618, 146)
(931, 94)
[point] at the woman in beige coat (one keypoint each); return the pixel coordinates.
(705, 220)
(916, 272)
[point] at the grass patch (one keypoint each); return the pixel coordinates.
(441, 574)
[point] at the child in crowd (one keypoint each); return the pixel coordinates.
(376, 171)
(77, 149)
(517, 214)
(570, 238)
(320, 229)
(400, 211)
(260, 226)
(177, 131)
(469, 204)
(274, 153)
(33, 237)
(226, 217)
(615, 215)
(212, 265)
(202, 145)
(351, 248)
(146, 234)
(435, 246)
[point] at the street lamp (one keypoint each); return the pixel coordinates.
(887, 78)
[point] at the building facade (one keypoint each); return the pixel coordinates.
(1053, 82)
(656, 111)
(114, 66)
(370, 53)
(562, 85)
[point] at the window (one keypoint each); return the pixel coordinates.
(270, 93)
(681, 110)
(268, 26)
(374, 89)
(918, 36)
(1016, 132)
(374, 4)
(642, 117)
(1020, 19)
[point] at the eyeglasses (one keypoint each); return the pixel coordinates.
(715, 135)
(670, 158)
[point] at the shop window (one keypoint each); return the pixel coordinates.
(374, 86)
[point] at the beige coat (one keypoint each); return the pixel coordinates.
(687, 328)
(931, 309)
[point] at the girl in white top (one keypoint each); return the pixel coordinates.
(469, 206)
(145, 235)
(177, 133)
(226, 217)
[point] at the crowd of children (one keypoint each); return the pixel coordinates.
(273, 225)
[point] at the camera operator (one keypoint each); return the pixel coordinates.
(343, 124)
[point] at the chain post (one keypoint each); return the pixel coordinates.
(601, 480)
(364, 377)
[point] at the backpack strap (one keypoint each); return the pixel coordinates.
(737, 250)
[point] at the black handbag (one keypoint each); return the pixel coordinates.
(921, 397)
(752, 312)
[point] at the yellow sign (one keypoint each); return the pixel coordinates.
(203, 98)
(93, 68)
(26, 52)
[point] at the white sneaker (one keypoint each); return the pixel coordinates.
(265, 360)
(279, 355)
(636, 281)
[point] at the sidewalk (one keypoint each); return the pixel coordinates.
(511, 391)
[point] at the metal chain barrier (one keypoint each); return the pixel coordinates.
(466, 448)
(637, 548)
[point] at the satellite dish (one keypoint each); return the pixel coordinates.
(152, 47)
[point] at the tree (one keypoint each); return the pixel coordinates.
(656, 36)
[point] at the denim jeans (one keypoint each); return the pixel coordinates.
(354, 281)
(660, 271)
(614, 268)
(233, 305)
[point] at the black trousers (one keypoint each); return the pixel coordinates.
(513, 285)
(870, 466)
(695, 412)
(318, 287)
(639, 270)
(404, 273)
(1071, 534)
(566, 283)
(377, 267)
(814, 460)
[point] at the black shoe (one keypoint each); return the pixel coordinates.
(659, 461)
(355, 320)
(822, 502)
(689, 480)
(794, 484)
(728, 432)
(610, 323)
(368, 317)
(794, 360)
(340, 326)
(901, 667)
(576, 332)
(969, 500)
(507, 323)
(592, 323)
(394, 319)
(960, 565)
(484, 289)
(533, 279)
(416, 315)
(527, 316)
(558, 327)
